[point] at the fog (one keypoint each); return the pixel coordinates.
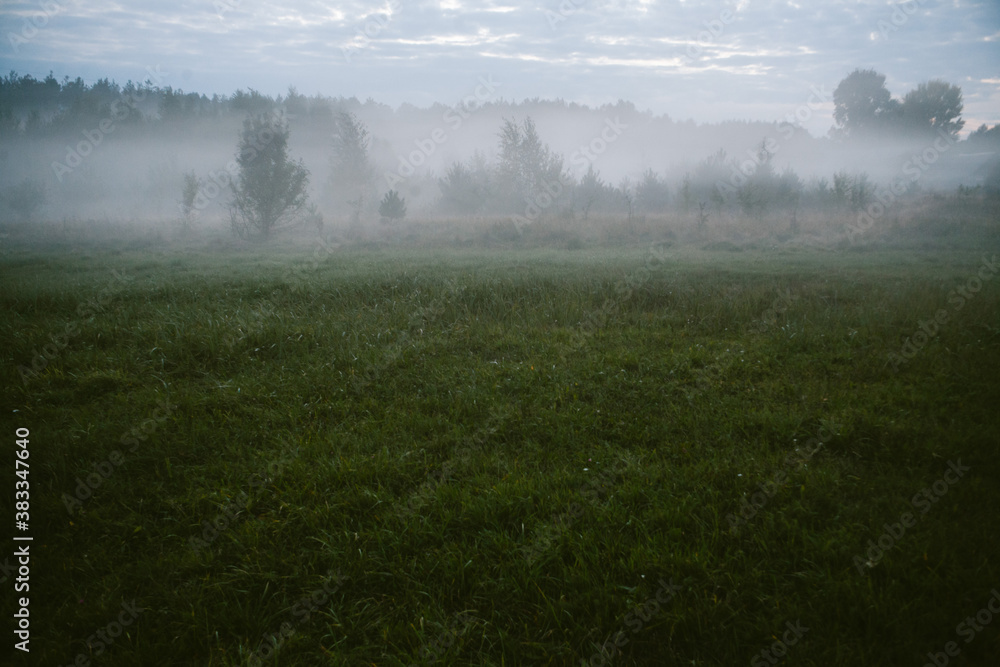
(120, 153)
(402, 332)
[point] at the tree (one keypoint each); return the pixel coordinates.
(252, 102)
(527, 167)
(687, 195)
(788, 188)
(171, 107)
(270, 188)
(711, 180)
(627, 192)
(862, 191)
(863, 105)
(933, 106)
(985, 136)
(464, 188)
(351, 173)
(295, 104)
(192, 185)
(392, 207)
(589, 190)
(651, 193)
(759, 191)
(855, 191)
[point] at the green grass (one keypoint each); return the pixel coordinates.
(501, 453)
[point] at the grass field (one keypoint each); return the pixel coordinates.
(639, 455)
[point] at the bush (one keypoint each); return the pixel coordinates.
(392, 207)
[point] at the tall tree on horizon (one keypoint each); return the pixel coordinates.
(932, 106)
(863, 105)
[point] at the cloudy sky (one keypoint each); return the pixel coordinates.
(709, 61)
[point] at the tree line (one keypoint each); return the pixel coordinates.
(865, 109)
(524, 178)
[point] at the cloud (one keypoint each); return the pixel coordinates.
(751, 58)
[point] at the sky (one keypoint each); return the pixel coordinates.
(705, 61)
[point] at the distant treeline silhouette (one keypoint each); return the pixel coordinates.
(514, 172)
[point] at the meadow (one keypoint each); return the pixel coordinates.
(644, 453)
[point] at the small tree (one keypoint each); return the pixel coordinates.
(627, 192)
(192, 185)
(526, 166)
(351, 172)
(862, 191)
(758, 192)
(842, 188)
(589, 191)
(687, 196)
(270, 188)
(855, 192)
(464, 189)
(651, 193)
(702, 216)
(711, 179)
(788, 189)
(392, 207)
